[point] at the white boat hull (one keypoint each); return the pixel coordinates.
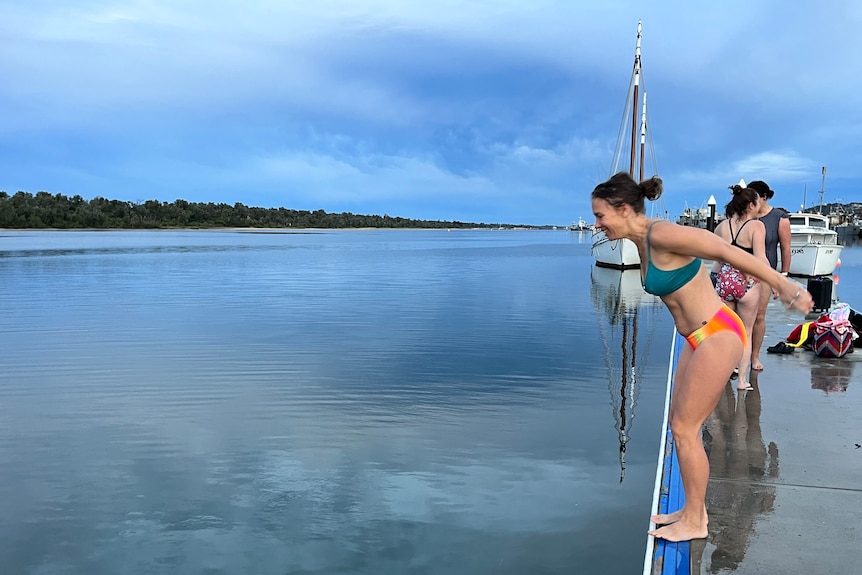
(617, 254)
(814, 259)
(814, 248)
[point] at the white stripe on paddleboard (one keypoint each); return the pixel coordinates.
(650, 547)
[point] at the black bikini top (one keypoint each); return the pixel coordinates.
(749, 249)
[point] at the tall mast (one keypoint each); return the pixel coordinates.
(643, 139)
(822, 182)
(636, 74)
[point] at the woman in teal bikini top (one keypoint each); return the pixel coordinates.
(715, 334)
(662, 282)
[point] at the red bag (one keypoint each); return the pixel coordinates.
(731, 284)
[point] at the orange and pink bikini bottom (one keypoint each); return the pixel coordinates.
(723, 320)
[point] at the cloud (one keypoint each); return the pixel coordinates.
(494, 109)
(770, 166)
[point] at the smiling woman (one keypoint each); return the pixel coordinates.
(672, 269)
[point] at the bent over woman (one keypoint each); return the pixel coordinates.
(671, 268)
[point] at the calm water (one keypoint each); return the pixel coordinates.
(365, 402)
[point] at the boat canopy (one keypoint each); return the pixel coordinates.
(807, 220)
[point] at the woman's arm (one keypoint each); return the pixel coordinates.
(699, 243)
(784, 241)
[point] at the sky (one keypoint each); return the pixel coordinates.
(487, 111)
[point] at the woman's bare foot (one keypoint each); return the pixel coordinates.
(756, 365)
(666, 519)
(744, 387)
(681, 530)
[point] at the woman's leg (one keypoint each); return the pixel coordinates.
(732, 305)
(681, 366)
(701, 376)
(759, 329)
(746, 309)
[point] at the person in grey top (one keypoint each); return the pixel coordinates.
(777, 224)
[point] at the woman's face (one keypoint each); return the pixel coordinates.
(608, 219)
(754, 207)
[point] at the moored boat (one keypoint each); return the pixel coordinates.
(580, 226)
(848, 229)
(814, 248)
(618, 254)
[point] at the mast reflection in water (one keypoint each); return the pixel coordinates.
(627, 317)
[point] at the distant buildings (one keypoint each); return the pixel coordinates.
(697, 217)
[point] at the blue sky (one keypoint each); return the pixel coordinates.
(485, 111)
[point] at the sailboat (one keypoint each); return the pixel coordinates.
(625, 313)
(623, 254)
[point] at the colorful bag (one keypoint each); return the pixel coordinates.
(832, 341)
(731, 283)
(833, 334)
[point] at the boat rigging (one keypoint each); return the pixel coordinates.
(634, 137)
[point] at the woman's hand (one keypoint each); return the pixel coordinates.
(794, 296)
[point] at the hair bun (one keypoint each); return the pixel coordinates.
(652, 188)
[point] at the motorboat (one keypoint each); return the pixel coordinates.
(814, 247)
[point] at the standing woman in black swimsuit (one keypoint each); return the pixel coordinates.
(742, 229)
(671, 268)
(777, 223)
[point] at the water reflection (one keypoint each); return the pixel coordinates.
(627, 317)
(581, 237)
(831, 375)
(309, 408)
(742, 470)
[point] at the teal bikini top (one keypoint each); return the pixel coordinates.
(662, 282)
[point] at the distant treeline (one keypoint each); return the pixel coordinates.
(45, 210)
